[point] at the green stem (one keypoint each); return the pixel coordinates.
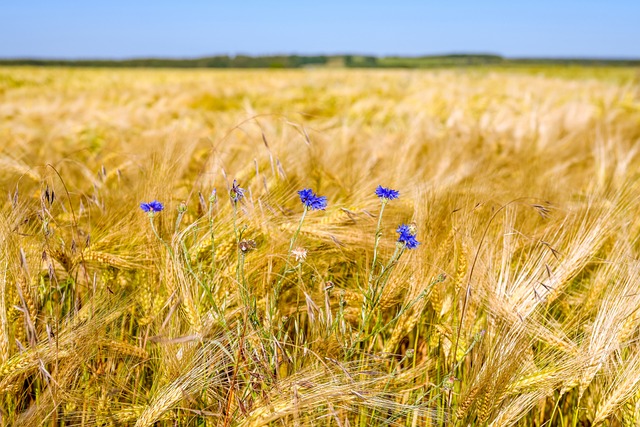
(240, 277)
(187, 261)
(379, 285)
(295, 235)
(239, 253)
(286, 270)
(213, 244)
(153, 227)
(235, 226)
(178, 221)
(377, 241)
(374, 294)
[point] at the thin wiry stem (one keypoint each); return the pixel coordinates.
(295, 235)
(376, 243)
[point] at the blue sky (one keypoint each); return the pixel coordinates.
(191, 28)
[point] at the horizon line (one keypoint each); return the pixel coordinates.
(268, 55)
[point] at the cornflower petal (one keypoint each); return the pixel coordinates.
(311, 200)
(236, 193)
(387, 193)
(152, 207)
(407, 237)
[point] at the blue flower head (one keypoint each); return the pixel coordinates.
(387, 194)
(407, 237)
(152, 207)
(311, 200)
(404, 230)
(236, 193)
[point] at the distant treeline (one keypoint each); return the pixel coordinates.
(298, 61)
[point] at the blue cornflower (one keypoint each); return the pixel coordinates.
(311, 200)
(403, 230)
(407, 237)
(236, 193)
(386, 193)
(152, 207)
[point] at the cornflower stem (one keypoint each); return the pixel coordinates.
(381, 282)
(371, 289)
(213, 244)
(235, 226)
(286, 270)
(187, 261)
(178, 221)
(240, 278)
(153, 228)
(375, 292)
(239, 253)
(377, 241)
(247, 297)
(386, 272)
(295, 235)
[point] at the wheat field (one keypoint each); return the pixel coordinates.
(520, 306)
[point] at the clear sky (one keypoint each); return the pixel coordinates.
(191, 28)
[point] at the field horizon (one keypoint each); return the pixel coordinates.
(248, 307)
(338, 60)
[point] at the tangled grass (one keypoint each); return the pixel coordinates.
(519, 307)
